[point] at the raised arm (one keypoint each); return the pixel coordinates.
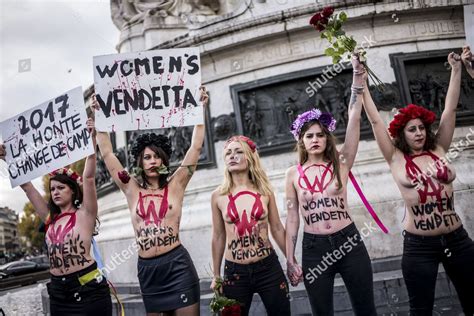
(89, 200)
(218, 239)
(294, 272)
(188, 166)
(448, 118)
(276, 227)
(351, 143)
(380, 130)
(111, 161)
(39, 204)
(467, 60)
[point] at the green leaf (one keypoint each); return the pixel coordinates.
(341, 50)
(329, 51)
(343, 16)
(323, 35)
(336, 59)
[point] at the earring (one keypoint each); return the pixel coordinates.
(77, 203)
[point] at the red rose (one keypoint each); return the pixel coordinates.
(327, 12)
(124, 176)
(233, 310)
(315, 19)
(319, 21)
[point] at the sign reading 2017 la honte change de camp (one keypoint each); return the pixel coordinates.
(148, 90)
(47, 137)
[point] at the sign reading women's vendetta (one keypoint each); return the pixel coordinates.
(148, 90)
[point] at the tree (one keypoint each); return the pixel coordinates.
(29, 226)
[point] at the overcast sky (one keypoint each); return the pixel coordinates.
(59, 38)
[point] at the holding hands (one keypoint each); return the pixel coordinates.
(359, 73)
(294, 272)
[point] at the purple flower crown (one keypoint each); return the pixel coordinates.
(325, 119)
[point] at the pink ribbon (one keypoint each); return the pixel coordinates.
(366, 203)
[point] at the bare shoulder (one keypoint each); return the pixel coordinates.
(398, 157)
(291, 171)
(216, 194)
(439, 151)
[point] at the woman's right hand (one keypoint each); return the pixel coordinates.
(294, 273)
(468, 60)
(214, 284)
(360, 73)
(3, 151)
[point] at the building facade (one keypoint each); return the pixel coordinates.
(263, 65)
(9, 238)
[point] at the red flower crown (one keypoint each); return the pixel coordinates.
(408, 113)
(245, 139)
(68, 172)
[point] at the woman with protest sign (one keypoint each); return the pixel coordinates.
(317, 188)
(168, 280)
(77, 287)
(420, 163)
(243, 211)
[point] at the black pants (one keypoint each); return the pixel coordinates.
(264, 277)
(68, 297)
(342, 252)
(421, 258)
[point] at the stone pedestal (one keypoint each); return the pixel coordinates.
(267, 41)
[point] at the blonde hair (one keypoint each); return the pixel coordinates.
(255, 172)
(330, 153)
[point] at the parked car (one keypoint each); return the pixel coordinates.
(41, 260)
(20, 267)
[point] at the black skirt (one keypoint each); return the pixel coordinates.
(68, 297)
(168, 281)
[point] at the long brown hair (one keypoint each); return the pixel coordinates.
(77, 198)
(330, 153)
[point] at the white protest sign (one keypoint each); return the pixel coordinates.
(148, 90)
(47, 137)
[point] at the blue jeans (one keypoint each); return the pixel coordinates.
(264, 277)
(421, 258)
(342, 252)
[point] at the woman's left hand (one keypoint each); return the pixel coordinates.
(91, 127)
(204, 97)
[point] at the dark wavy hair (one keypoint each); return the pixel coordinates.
(400, 141)
(330, 153)
(163, 178)
(54, 210)
(77, 198)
